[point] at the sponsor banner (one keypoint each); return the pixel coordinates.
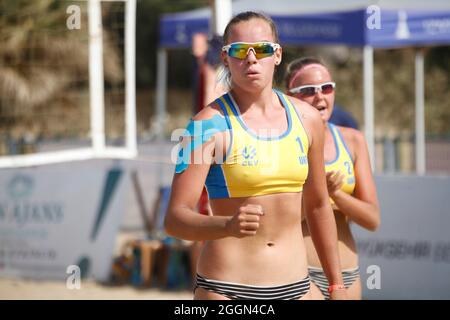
(408, 257)
(56, 216)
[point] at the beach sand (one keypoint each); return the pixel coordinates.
(18, 289)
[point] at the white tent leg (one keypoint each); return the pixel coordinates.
(420, 113)
(161, 93)
(97, 104)
(369, 103)
(130, 76)
(221, 14)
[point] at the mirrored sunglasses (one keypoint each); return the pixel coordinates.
(310, 90)
(240, 50)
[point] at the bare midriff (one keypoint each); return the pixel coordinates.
(274, 256)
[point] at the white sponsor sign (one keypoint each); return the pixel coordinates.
(412, 246)
(56, 216)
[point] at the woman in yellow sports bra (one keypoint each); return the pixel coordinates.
(349, 176)
(258, 152)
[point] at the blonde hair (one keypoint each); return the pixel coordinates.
(224, 77)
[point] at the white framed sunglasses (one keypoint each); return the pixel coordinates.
(311, 89)
(240, 50)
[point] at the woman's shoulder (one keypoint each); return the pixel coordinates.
(306, 111)
(351, 134)
(353, 138)
(208, 112)
(310, 118)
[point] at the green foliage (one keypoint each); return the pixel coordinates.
(44, 67)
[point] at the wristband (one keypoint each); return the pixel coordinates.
(333, 287)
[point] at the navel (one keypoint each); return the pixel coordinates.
(270, 244)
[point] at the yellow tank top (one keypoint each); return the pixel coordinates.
(343, 161)
(272, 162)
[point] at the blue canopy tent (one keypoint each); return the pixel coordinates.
(360, 23)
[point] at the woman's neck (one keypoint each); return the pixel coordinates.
(327, 131)
(262, 100)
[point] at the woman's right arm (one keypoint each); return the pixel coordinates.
(183, 221)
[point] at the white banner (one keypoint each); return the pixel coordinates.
(409, 256)
(56, 216)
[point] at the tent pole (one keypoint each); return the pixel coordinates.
(222, 13)
(161, 93)
(96, 88)
(420, 113)
(130, 76)
(369, 102)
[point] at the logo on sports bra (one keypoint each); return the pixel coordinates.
(349, 168)
(302, 157)
(249, 154)
(351, 178)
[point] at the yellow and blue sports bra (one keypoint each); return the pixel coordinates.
(259, 164)
(343, 161)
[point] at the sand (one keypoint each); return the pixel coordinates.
(18, 289)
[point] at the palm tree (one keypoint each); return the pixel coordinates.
(44, 66)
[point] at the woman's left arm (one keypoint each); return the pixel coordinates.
(319, 215)
(361, 207)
